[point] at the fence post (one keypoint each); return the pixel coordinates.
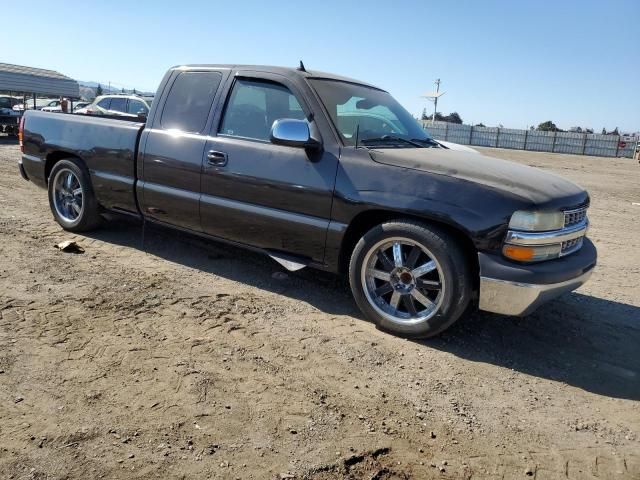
(498, 137)
(470, 134)
(617, 146)
(446, 131)
(584, 143)
(526, 134)
(553, 145)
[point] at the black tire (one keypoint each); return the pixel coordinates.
(89, 217)
(456, 283)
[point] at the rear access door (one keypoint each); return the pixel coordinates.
(254, 192)
(173, 144)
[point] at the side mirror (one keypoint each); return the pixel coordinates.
(142, 116)
(294, 133)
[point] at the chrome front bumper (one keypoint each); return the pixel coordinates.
(510, 288)
(520, 299)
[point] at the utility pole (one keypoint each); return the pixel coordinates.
(435, 100)
(433, 96)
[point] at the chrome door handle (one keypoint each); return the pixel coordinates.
(217, 159)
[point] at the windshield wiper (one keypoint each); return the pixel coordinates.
(429, 141)
(393, 138)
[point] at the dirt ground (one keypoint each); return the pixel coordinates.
(170, 357)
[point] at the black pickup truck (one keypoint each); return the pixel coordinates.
(328, 172)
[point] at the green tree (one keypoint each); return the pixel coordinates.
(548, 126)
(99, 90)
(439, 117)
(453, 117)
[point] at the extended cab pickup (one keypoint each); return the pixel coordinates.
(328, 172)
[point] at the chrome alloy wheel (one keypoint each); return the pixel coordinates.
(67, 195)
(402, 280)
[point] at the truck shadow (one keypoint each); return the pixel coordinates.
(323, 290)
(580, 340)
(583, 341)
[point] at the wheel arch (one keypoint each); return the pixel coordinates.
(54, 157)
(365, 221)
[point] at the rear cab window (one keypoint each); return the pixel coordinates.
(189, 101)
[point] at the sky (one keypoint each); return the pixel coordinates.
(511, 63)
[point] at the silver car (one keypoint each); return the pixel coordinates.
(119, 105)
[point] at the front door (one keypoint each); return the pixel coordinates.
(257, 193)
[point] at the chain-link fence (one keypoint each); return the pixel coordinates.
(557, 142)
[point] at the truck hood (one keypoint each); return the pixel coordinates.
(539, 187)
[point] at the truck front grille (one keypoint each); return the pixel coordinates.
(573, 217)
(571, 246)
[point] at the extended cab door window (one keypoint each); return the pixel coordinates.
(253, 107)
(174, 148)
(189, 101)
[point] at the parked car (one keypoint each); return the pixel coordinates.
(7, 102)
(456, 146)
(262, 157)
(40, 104)
(8, 116)
(121, 105)
(80, 105)
(56, 106)
(52, 106)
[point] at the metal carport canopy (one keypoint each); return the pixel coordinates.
(16, 78)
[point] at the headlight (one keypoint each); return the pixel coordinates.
(536, 221)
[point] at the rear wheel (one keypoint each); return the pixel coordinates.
(410, 279)
(71, 197)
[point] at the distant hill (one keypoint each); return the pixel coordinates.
(88, 90)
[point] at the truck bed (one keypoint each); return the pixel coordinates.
(108, 146)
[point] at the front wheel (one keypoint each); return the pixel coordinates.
(71, 198)
(410, 279)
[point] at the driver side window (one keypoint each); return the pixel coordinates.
(253, 107)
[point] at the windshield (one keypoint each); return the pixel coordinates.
(377, 116)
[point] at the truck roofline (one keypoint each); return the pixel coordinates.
(285, 71)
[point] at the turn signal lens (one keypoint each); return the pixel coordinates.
(522, 254)
(531, 254)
